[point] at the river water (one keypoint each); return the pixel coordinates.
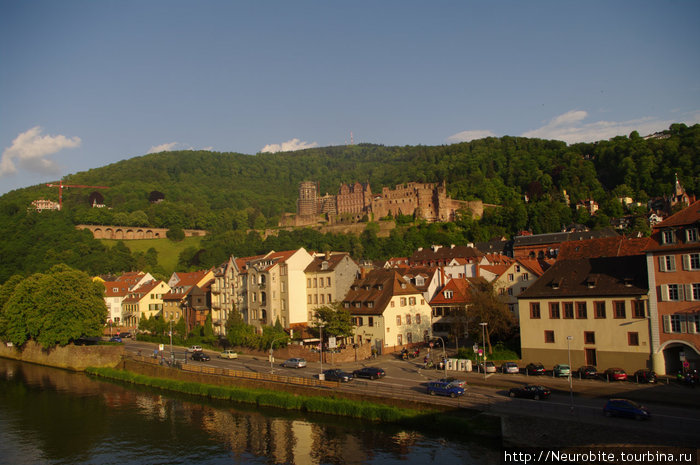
(51, 416)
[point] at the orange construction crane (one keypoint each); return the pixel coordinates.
(60, 186)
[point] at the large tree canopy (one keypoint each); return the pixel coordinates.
(52, 308)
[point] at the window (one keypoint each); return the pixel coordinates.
(675, 323)
(517, 268)
(693, 291)
(691, 235)
(589, 337)
(399, 340)
(694, 323)
(323, 299)
(581, 310)
(329, 298)
(408, 319)
(358, 321)
(398, 320)
(411, 300)
(393, 303)
(549, 337)
(535, 311)
(328, 281)
(447, 294)
(568, 310)
(667, 263)
(501, 291)
(638, 310)
(619, 309)
(599, 309)
(691, 262)
(315, 298)
(671, 292)
(554, 311)
(511, 277)
(315, 282)
(667, 237)
(633, 338)
(526, 276)
(417, 318)
(370, 321)
(402, 301)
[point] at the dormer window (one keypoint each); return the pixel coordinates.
(380, 286)
(691, 235)
(420, 281)
(556, 284)
(591, 281)
(324, 265)
(448, 294)
(403, 285)
(667, 237)
(628, 282)
(370, 304)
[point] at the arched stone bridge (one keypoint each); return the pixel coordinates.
(133, 232)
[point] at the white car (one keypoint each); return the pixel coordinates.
(193, 349)
(229, 354)
(510, 367)
(490, 367)
(294, 363)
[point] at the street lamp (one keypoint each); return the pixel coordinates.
(272, 357)
(571, 387)
(444, 354)
(320, 327)
(483, 335)
(172, 354)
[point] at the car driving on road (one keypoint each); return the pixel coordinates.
(530, 391)
(294, 363)
(200, 357)
(369, 373)
(336, 374)
(229, 354)
(444, 389)
(626, 408)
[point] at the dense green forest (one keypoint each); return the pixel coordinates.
(228, 194)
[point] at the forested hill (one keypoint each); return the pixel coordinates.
(228, 193)
(221, 191)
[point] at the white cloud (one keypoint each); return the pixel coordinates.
(466, 136)
(571, 129)
(290, 145)
(30, 150)
(162, 147)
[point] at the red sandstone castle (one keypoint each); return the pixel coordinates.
(353, 202)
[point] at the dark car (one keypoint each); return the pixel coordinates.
(444, 389)
(588, 372)
(336, 374)
(534, 368)
(115, 339)
(626, 408)
(369, 372)
(615, 374)
(200, 357)
(645, 376)
(530, 391)
(124, 335)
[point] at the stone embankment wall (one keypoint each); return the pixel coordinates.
(69, 357)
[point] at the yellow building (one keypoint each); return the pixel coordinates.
(593, 309)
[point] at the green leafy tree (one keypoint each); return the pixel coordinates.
(486, 308)
(335, 319)
(55, 308)
(238, 332)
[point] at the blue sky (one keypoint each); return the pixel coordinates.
(87, 83)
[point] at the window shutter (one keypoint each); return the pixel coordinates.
(662, 263)
(673, 263)
(691, 324)
(684, 325)
(664, 293)
(667, 323)
(686, 262)
(680, 291)
(688, 291)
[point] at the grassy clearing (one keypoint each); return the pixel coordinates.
(418, 419)
(168, 251)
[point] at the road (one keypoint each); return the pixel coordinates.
(406, 379)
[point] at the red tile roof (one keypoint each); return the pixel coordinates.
(687, 216)
(604, 247)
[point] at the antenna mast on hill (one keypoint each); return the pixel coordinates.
(352, 142)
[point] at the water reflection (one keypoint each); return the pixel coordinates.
(54, 416)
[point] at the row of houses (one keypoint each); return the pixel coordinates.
(603, 299)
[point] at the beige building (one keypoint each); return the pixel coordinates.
(389, 312)
(116, 291)
(328, 278)
(510, 278)
(275, 289)
(144, 301)
(591, 308)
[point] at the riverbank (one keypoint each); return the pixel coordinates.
(69, 357)
(417, 416)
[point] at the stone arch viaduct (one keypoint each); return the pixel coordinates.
(133, 232)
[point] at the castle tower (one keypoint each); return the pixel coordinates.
(308, 198)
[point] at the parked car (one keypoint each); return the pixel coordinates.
(490, 367)
(534, 368)
(615, 374)
(510, 367)
(115, 339)
(530, 391)
(588, 371)
(336, 374)
(626, 408)
(454, 381)
(200, 357)
(193, 349)
(294, 363)
(561, 370)
(369, 373)
(229, 354)
(124, 334)
(645, 375)
(444, 389)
